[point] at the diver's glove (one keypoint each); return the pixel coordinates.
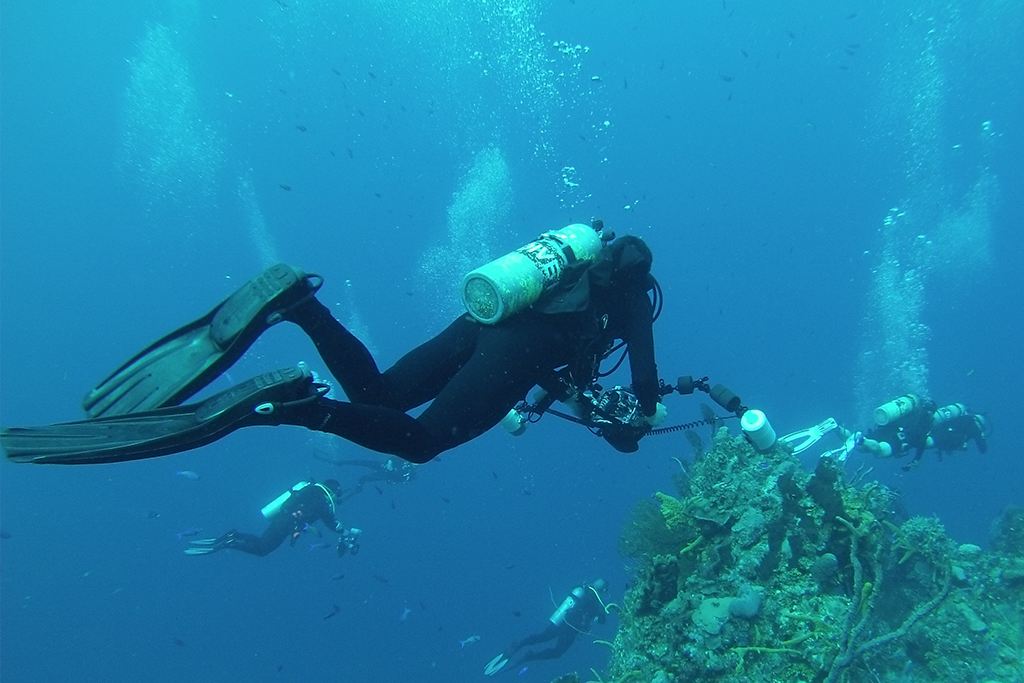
(658, 418)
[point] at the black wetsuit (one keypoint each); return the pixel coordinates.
(303, 509)
(906, 434)
(955, 434)
(472, 373)
(563, 627)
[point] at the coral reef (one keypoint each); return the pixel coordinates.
(760, 571)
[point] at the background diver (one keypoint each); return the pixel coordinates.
(472, 373)
(294, 512)
(388, 472)
(907, 425)
(575, 615)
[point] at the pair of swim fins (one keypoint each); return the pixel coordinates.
(135, 412)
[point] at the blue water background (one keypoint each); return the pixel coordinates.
(143, 146)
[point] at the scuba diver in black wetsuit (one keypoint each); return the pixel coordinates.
(911, 425)
(545, 314)
(387, 472)
(575, 615)
(291, 514)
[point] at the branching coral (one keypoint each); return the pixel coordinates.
(861, 609)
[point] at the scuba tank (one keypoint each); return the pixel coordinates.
(570, 601)
(950, 412)
(273, 507)
(517, 280)
(895, 409)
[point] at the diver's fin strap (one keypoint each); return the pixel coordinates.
(805, 438)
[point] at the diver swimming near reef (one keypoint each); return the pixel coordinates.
(912, 425)
(294, 512)
(546, 314)
(906, 425)
(575, 615)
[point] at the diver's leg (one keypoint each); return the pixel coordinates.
(544, 636)
(413, 380)
(507, 362)
(566, 637)
(260, 546)
(379, 428)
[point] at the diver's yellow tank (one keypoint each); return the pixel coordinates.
(517, 280)
(895, 409)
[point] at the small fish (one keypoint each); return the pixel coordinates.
(726, 78)
(516, 613)
(445, 499)
(188, 533)
(4, 534)
(336, 72)
(351, 154)
(334, 610)
(332, 152)
(179, 642)
(300, 128)
(286, 188)
(188, 474)
(372, 75)
(152, 515)
(405, 614)
(319, 546)
(469, 641)
(338, 577)
(379, 578)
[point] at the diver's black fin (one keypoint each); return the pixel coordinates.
(177, 366)
(163, 431)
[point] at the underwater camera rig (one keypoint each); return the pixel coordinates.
(614, 413)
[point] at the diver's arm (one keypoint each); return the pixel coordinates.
(639, 336)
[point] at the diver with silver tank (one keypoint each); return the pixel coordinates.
(576, 614)
(292, 514)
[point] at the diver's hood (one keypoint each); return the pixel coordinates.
(624, 262)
